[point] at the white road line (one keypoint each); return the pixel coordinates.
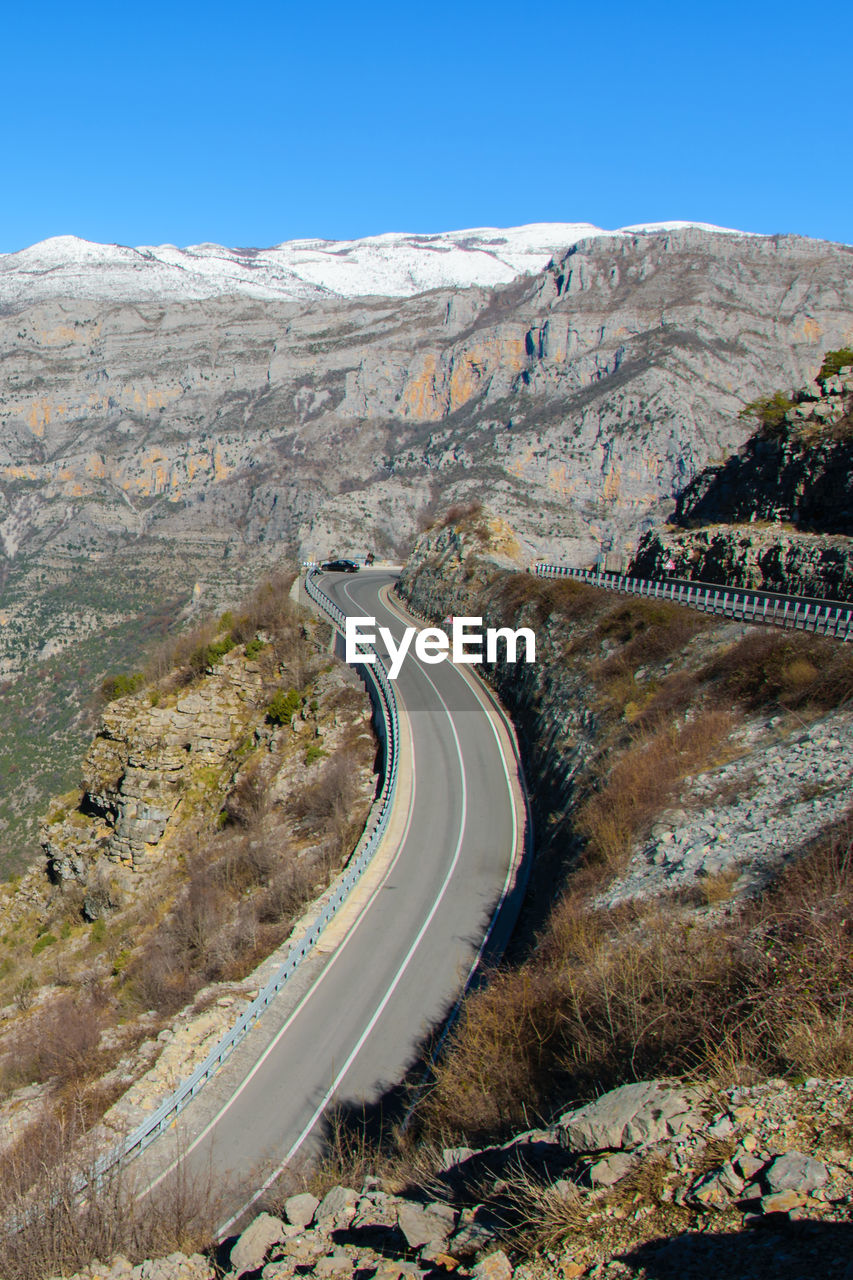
(403, 967)
(391, 989)
(309, 993)
(451, 1017)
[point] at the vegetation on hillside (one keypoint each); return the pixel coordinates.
(695, 984)
(771, 411)
(252, 849)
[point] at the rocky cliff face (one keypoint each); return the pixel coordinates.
(746, 555)
(155, 451)
(581, 399)
(776, 515)
(800, 471)
(149, 766)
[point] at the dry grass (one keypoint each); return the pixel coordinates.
(63, 1231)
(547, 599)
(792, 671)
(247, 883)
(615, 996)
(643, 780)
(648, 631)
(545, 1215)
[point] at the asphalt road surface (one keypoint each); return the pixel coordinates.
(357, 1025)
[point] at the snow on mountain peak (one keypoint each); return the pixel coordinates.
(394, 264)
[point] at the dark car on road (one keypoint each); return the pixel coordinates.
(339, 566)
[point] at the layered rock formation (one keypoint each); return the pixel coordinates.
(582, 400)
(778, 514)
(149, 765)
(155, 449)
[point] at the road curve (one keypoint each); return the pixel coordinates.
(364, 1010)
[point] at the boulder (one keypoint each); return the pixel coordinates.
(795, 1172)
(495, 1266)
(715, 1190)
(336, 1209)
(299, 1210)
(375, 1212)
(252, 1246)
(782, 1201)
(609, 1170)
(632, 1116)
(334, 1264)
(472, 1234)
(421, 1227)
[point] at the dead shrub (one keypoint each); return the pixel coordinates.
(287, 892)
(326, 804)
(649, 630)
(242, 861)
(674, 696)
(788, 669)
(460, 513)
(64, 1231)
(563, 597)
(610, 997)
(58, 1042)
(248, 801)
(643, 780)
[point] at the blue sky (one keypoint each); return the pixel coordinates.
(255, 123)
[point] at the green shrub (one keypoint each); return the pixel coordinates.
(833, 361)
(254, 646)
(769, 410)
(283, 707)
(46, 940)
(119, 686)
(208, 655)
(314, 753)
(99, 930)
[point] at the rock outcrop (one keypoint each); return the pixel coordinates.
(149, 764)
(633, 1177)
(772, 558)
(168, 450)
(799, 470)
(581, 399)
(777, 515)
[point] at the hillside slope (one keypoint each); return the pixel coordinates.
(778, 514)
(161, 450)
(225, 787)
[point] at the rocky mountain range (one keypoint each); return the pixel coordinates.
(391, 265)
(158, 448)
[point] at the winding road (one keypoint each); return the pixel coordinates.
(446, 885)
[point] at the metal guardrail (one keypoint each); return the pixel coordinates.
(822, 617)
(380, 813)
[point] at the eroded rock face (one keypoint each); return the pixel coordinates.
(778, 514)
(580, 401)
(747, 555)
(801, 473)
(147, 766)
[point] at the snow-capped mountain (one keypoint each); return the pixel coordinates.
(393, 265)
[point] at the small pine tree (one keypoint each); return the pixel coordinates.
(833, 361)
